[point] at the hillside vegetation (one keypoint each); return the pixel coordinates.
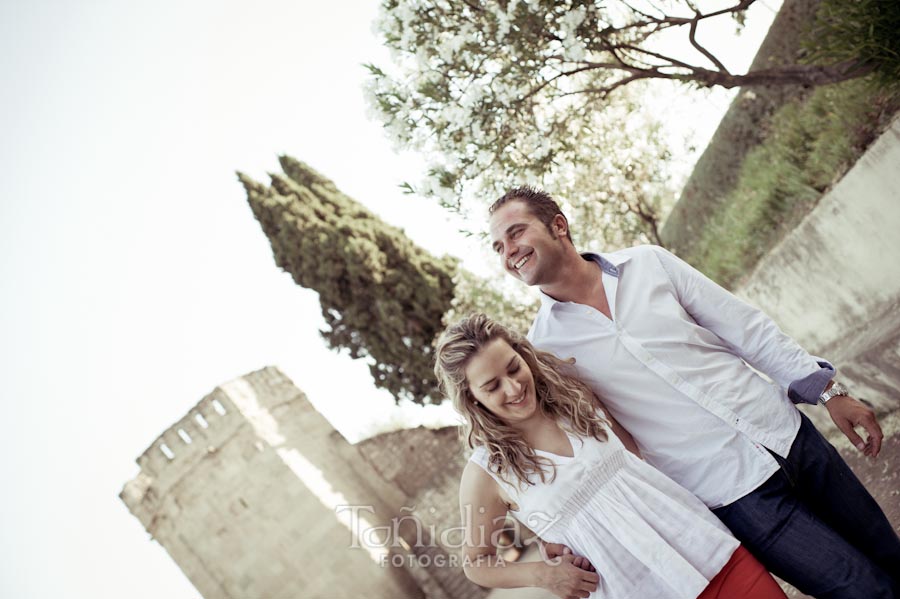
(776, 152)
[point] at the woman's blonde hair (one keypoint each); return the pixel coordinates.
(560, 396)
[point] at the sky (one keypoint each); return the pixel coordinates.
(134, 276)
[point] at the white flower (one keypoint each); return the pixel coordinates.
(570, 22)
(423, 60)
(573, 49)
(472, 95)
(503, 26)
(404, 14)
(455, 116)
(484, 158)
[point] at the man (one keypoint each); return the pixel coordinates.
(668, 351)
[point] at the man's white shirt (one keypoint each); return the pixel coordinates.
(670, 367)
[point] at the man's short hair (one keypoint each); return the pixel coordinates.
(539, 203)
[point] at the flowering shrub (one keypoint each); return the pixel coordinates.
(496, 94)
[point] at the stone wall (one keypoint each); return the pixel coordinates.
(833, 284)
(243, 498)
(427, 465)
(409, 458)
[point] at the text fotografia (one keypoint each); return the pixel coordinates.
(440, 561)
(407, 531)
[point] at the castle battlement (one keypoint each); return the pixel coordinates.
(205, 427)
(254, 400)
(242, 492)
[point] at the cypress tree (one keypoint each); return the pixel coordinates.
(382, 297)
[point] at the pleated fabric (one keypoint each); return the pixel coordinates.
(646, 535)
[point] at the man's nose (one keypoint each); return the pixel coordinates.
(510, 250)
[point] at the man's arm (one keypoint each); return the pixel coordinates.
(755, 337)
(749, 332)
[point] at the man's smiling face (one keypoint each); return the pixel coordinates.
(527, 249)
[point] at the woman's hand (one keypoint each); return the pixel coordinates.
(570, 577)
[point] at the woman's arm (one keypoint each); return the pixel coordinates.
(483, 513)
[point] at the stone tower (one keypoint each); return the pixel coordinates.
(242, 491)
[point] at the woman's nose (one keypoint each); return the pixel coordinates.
(512, 386)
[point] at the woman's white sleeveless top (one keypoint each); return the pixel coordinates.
(648, 537)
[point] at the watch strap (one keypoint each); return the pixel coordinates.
(835, 390)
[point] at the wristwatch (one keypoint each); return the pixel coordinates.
(836, 389)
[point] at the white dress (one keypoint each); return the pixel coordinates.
(648, 537)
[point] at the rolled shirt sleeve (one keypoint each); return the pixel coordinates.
(809, 388)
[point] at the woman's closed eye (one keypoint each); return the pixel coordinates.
(511, 371)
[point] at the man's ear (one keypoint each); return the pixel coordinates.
(560, 225)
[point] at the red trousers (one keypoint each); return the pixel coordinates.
(743, 578)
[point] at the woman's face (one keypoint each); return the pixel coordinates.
(501, 381)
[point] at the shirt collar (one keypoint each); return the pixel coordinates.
(611, 264)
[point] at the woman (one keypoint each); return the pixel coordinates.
(545, 450)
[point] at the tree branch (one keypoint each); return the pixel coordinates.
(672, 21)
(704, 51)
(742, 5)
(473, 6)
(608, 89)
(557, 76)
(651, 219)
(791, 74)
(673, 62)
(642, 13)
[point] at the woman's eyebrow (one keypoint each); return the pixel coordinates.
(486, 383)
(508, 366)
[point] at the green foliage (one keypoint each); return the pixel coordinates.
(810, 146)
(381, 296)
(475, 294)
(864, 31)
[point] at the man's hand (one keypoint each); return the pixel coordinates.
(551, 551)
(569, 577)
(848, 413)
